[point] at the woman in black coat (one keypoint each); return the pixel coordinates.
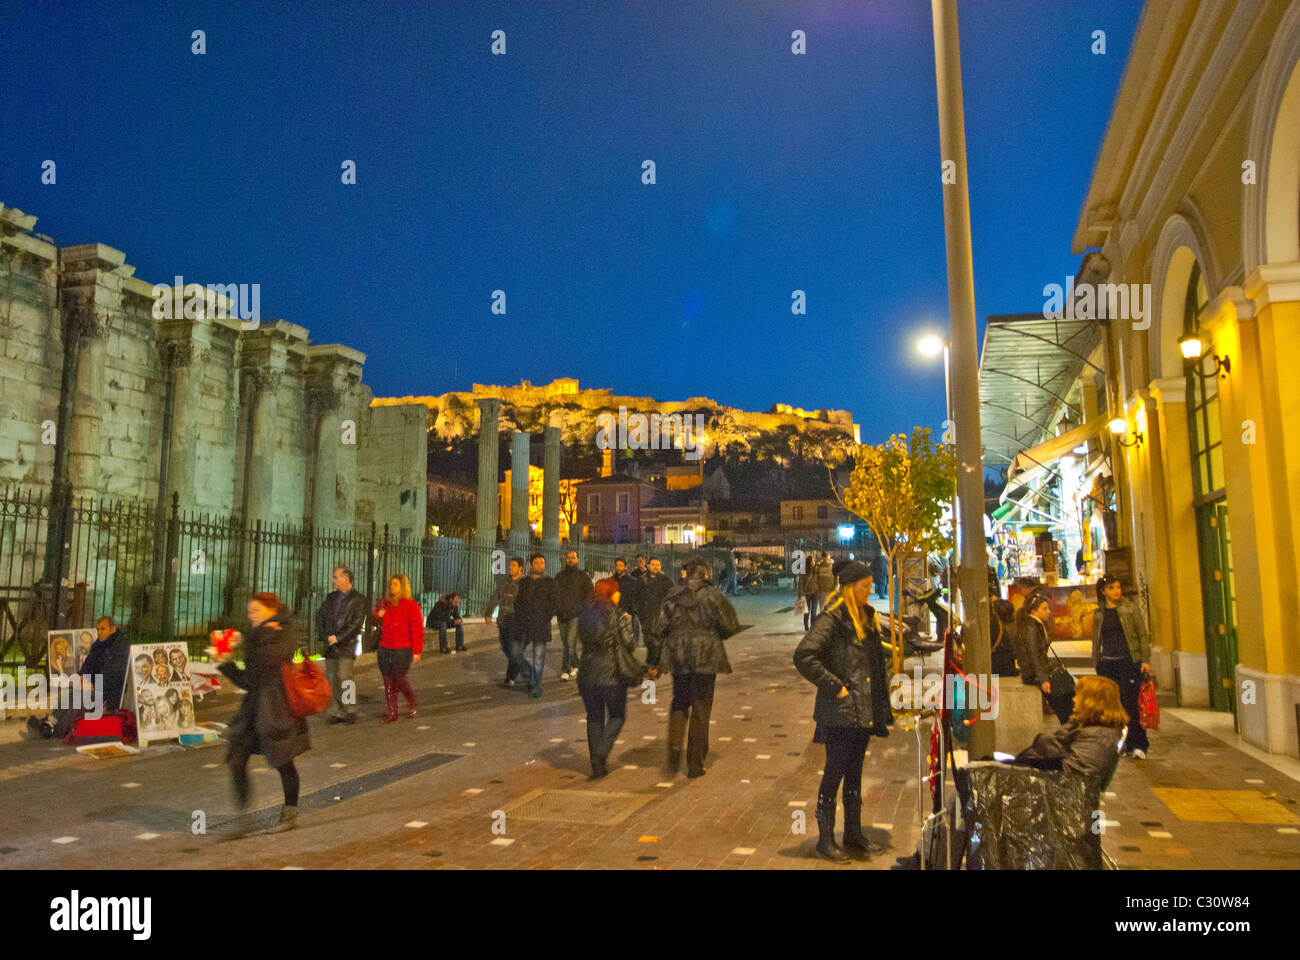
(264, 723)
(602, 627)
(841, 655)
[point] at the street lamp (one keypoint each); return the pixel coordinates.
(1119, 427)
(1193, 350)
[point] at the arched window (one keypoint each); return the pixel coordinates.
(1202, 402)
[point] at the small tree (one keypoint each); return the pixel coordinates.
(899, 489)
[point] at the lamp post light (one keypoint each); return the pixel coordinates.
(965, 359)
(931, 345)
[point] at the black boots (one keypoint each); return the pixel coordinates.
(856, 845)
(826, 846)
(599, 768)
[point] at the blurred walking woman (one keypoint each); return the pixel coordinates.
(264, 723)
(602, 627)
(402, 643)
(841, 655)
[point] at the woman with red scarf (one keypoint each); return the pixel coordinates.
(401, 643)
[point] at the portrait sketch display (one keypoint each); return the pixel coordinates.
(62, 647)
(160, 686)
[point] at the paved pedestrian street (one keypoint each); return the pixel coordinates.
(487, 778)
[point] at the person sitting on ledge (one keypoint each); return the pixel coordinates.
(104, 670)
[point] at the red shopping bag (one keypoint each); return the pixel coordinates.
(1148, 705)
(306, 687)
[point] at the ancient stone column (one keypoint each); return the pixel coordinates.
(93, 275)
(551, 488)
(333, 373)
(519, 532)
(486, 520)
(485, 527)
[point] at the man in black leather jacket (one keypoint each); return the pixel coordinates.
(693, 622)
(339, 622)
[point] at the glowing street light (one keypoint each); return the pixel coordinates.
(931, 345)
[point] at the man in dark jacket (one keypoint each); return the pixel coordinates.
(655, 586)
(102, 677)
(503, 601)
(572, 588)
(629, 590)
(444, 616)
(536, 604)
(693, 622)
(339, 622)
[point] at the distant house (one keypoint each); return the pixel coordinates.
(674, 516)
(815, 520)
(609, 509)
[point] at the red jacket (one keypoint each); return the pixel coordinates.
(402, 626)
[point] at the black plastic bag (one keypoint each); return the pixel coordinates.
(1019, 818)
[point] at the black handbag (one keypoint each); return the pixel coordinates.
(1062, 695)
(629, 670)
(374, 633)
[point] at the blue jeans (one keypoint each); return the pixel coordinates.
(536, 663)
(442, 637)
(569, 637)
(606, 711)
(508, 634)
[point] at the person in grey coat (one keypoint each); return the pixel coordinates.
(1121, 650)
(264, 723)
(693, 622)
(602, 627)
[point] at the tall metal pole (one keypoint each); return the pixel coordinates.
(954, 589)
(965, 360)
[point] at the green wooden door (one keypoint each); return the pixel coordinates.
(1218, 602)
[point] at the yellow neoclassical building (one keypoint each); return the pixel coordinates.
(1196, 191)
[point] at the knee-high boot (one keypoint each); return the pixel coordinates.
(855, 842)
(390, 699)
(826, 846)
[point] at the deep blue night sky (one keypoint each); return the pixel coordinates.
(523, 172)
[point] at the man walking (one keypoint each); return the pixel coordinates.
(503, 601)
(535, 605)
(825, 579)
(654, 588)
(572, 588)
(694, 621)
(629, 590)
(339, 622)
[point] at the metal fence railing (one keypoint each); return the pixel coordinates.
(184, 573)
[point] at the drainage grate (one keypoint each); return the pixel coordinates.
(338, 792)
(577, 806)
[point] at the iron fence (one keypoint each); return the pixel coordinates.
(186, 573)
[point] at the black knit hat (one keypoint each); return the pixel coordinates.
(852, 572)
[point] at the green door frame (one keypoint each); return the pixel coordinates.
(1216, 602)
